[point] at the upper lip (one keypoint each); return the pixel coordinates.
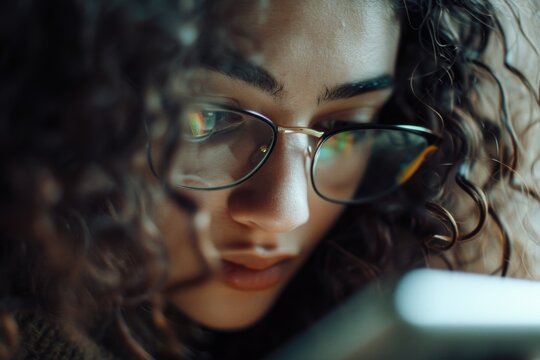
(254, 260)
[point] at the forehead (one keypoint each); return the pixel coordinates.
(314, 44)
(311, 25)
(315, 28)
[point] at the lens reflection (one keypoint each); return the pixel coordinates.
(357, 165)
(218, 148)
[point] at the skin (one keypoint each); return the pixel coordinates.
(308, 47)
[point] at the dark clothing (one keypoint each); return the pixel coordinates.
(43, 338)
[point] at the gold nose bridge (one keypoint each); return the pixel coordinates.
(300, 130)
(308, 153)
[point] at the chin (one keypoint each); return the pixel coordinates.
(228, 323)
(218, 307)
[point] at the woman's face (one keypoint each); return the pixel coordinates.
(295, 53)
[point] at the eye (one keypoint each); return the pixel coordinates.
(335, 124)
(348, 118)
(340, 144)
(202, 124)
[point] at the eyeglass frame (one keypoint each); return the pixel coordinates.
(431, 137)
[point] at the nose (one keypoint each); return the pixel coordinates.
(275, 199)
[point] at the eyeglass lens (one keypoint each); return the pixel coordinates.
(366, 163)
(221, 147)
(218, 148)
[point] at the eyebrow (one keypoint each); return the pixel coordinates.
(237, 67)
(234, 65)
(355, 88)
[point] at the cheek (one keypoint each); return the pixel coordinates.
(208, 200)
(215, 205)
(189, 252)
(323, 215)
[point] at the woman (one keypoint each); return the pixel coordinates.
(293, 237)
(315, 68)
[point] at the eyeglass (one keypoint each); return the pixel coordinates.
(218, 146)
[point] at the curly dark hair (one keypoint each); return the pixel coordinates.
(455, 76)
(74, 233)
(78, 79)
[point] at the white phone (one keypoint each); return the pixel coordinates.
(429, 314)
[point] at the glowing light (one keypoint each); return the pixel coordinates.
(432, 298)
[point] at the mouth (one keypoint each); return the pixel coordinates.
(242, 277)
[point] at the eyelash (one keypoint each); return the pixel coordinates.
(344, 121)
(336, 121)
(333, 124)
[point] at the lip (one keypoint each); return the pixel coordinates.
(256, 259)
(241, 277)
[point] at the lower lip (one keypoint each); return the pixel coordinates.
(242, 278)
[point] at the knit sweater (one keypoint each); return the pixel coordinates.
(43, 338)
